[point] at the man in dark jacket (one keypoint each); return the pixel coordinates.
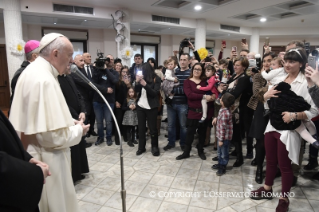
(138, 62)
(31, 53)
(21, 176)
(76, 106)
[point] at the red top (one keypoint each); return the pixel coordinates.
(211, 86)
(194, 97)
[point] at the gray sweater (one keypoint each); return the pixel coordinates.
(314, 93)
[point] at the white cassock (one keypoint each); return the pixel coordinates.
(41, 116)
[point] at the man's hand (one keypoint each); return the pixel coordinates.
(82, 117)
(175, 52)
(142, 82)
(176, 80)
(244, 45)
(109, 90)
(214, 122)
(44, 167)
(191, 46)
(117, 105)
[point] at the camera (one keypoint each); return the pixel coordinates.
(315, 53)
(100, 61)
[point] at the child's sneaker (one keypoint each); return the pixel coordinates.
(221, 170)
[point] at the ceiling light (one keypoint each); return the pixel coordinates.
(198, 7)
(169, 28)
(84, 20)
(54, 23)
(263, 19)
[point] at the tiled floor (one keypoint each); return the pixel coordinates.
(148, 180)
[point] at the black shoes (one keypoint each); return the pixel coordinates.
(261, 193)
(139, 152)
(215, 158)
(130, 144)
(167, 147)
(92, 133)
(316, 176)
(109, 142)
(99, 141)
(155, 151)
(182, 156)
(253, 162)
(259, 175)
(215, 166)
(311, 165)
(238, 163)
(221, 170)
(165, 120)
(294, 182)
(250, 155)
(202, 155)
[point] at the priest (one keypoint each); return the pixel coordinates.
(41, 116)
(21, 176)
(76, 105)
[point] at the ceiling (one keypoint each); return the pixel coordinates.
(243, 13)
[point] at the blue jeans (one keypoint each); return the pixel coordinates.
(181, 112)
(223, 153)
(102, 112)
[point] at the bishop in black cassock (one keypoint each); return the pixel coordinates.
(76, 106)
(21, 182)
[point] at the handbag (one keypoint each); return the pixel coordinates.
(234, 109)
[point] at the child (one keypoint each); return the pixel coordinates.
(275, 72)
(224, 132)
(169, 81)
(289, 101)
(130, 116)
(210, 72)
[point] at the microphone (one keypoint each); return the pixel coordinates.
(74, 69)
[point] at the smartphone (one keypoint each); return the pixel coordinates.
(312, 61)
(139, 73)
(267, 41)
(244, 41)
(234, 49)
(224, 44)
(208, 59)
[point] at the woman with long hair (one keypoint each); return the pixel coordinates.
(283, 146)
(147, 85)
(120, 95)
(194, 98)
(260, 121)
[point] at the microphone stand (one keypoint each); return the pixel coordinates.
(123, 191)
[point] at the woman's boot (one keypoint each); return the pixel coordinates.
(129, 138)
(259, 175)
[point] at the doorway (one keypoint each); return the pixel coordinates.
(4, 80)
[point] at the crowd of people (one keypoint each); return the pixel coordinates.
(273, 102)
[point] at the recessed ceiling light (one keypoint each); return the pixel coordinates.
(54, 23)
(84, 20)
(198, 7)
(263, 19)
(169, 28)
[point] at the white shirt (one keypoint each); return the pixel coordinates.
(291, 138)
(169, 75)
(87, 68)
(143, 102)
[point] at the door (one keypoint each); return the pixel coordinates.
(4, 80)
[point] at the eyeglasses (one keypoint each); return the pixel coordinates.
(197, 69)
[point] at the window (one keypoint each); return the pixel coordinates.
(79, 47)
(146, 50)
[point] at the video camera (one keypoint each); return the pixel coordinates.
(100, 61)
(184, 43)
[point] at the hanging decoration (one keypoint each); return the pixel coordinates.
(203, 53)
(17, 47)
(127, 53)
(118, 25)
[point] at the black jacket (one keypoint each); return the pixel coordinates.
(133, 71)
(16, 76)
(152, 92)
(20, 181)
(287, 101)
(105, 78)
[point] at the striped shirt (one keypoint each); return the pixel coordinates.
(179, 95)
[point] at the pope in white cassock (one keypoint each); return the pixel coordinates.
(41, 116)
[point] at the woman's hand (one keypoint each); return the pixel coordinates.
(286, 117)
(142, 82)
(312, 75)
(198, 86)
(138, 78)
(271, 93)
(117, 105)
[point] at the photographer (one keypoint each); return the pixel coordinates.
(106, 78)
(138, 62)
